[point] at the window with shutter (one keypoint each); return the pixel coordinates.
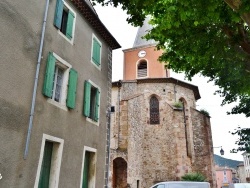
(89, 167)
(86, 170)
(59, 74)
(72, 85)
(49, 75)
(49, 162)
(91, 101)
(46, 165)
(96, 51)
(86, 105)
(57, 83)
(58, 14)
(64, 19)
(97, 104)
(70, 22)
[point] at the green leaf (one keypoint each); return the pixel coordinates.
(206, 37)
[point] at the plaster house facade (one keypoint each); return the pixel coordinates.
(246, 158)
(241, 173)
(55, 91)
(224, 176)
(152, 140)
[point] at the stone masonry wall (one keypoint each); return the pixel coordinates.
(157, 152)
(136, 124)
(203, 146)
(114, 154)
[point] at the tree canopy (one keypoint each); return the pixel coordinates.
(207, 37)
(243, 140)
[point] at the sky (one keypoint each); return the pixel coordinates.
(115, 21)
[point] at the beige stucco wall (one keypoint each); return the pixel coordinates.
(20, 39)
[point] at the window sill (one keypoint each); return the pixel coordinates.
(64, 36)
(92, 121)
(143, 77)
(98, 67)
(57, 104)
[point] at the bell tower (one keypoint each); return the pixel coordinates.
(141, 61)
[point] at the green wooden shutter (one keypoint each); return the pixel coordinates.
(97, 104)
(49, 75)
(96, 52)
(85, 179)
(72, 84)
(69, 29)
(58, 14)
(87, 93)
(46, 164)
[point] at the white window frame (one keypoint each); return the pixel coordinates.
(89, 119)
(100, 66)
(55, 160)
(63, 95)
(93, 150)
(71, 41)
(137, 63)
(55, 83)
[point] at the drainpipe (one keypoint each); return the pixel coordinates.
(36, 81)
(175, 91)
(185, 125)
(118, 110)
(109, 111)
(108, 148)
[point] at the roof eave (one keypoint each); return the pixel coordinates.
(194, 88)
(140, 47)
(96, 23)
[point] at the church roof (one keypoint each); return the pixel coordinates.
(162, 80)
(142, 31)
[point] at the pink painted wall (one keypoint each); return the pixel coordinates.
(220, 176)
(155, 68)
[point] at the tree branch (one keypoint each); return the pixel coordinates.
(241, 45)
(235, 4)
(243, 42)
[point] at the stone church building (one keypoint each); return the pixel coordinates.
(152, 139)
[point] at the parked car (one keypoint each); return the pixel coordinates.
(181, 184)
(239, 185)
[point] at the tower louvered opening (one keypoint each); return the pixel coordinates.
(142, 69)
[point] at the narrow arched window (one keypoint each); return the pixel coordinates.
(186, 124)
(154, 110)
(142, 70)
